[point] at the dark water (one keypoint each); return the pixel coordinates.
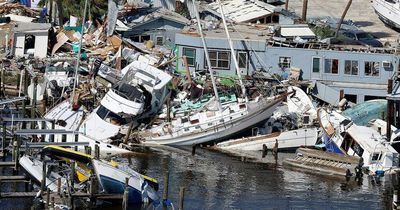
(218, 181)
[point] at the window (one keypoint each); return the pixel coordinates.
(190, 54)
(159, 40)
(351, 98)
(351, 67)
(371, 68)
(316, 65)
(242, 59)
(332, 66)
(284, 62)
(219, 59)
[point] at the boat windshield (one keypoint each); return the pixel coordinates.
(110, 116)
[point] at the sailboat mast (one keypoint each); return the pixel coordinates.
(79, 53)
(232, 51)
(207, 56)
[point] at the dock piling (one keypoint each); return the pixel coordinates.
(264, 151)
(59, 186)
(72, 175)
(193, 149)
(181, 197)
(126, 194)
(96, 151)
(166, 183)
(48, 198)
(43, 184)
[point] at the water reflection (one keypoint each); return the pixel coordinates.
(219, 181)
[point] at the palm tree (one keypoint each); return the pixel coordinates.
(97, 8)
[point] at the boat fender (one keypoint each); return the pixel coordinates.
(114, 163)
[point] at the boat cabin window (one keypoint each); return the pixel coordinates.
(109, 116)
(351, 67)
(190, 54)
(184, 120)
(316, 65)
(194, 121)
(376, 156)
(357, 148)
(349, 142)
(128, 92)
(284, 62)
(332, 66)
(371, 68)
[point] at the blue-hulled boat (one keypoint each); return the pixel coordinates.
(112, 180)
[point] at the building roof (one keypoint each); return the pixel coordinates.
(145, 15)
(236, 32)
(31, 27)
(243, 10)
(296, 30)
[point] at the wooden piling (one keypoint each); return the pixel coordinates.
(96, 151)
(53, 126)
(125, 198)
(395, 199)
(390, 112)
(52, 202)
(26, 79)
(76, 140)
(4, 139)
(181, 197)
(34, 99)
(59, 186)
(17, 151)
(193, 149)
(72, 175)
(43, 183)
(126, 140)
(48, 198)
(166, 183)
(264, 150)
(43, 137)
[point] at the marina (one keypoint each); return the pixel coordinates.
(220, 104)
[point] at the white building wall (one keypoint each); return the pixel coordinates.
(41, 46)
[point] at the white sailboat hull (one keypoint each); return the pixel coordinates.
(287, 140)
(388, 12)
(256, 114)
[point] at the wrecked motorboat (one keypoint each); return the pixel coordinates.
(343, 136)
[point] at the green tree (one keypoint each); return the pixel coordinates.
(96, 8)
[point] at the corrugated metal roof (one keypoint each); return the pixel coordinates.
(244, 10)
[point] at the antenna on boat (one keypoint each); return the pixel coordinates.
(79, 52)
(207, 56)
(232, 51)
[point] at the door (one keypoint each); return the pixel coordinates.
(316, 68)
(243, 60)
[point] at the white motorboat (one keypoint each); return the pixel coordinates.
(70, 120)
(139, 95)
(342, 136)
(388, 11)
